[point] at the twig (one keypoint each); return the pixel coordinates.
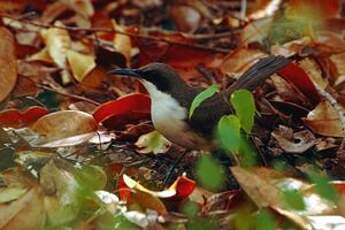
(68, 94)
(143, 36)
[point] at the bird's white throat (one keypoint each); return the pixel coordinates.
(168, 117)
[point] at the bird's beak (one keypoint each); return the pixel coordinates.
(126, 72)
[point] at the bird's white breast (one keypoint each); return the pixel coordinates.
(168, 117)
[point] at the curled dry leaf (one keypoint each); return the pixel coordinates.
(298, 142)
(325, 120)
(81, 64)
(179, 190)
(16, 118)
(115, 114)
(64, 124)
(8, 73)
(153, 142)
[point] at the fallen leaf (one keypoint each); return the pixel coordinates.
(238, 61)
(122, 43)
(339, 62)
(314, 72)
(16, 118)
(187, 18)
(81, 64)
(153, 142)
(257, 30)
(8, 72)
(179, 190)
(325, 120)
(301, 80)
(26, 212)
(115, 114)
(63, 124)
(58, 42)
(298, 142)
(84, 8)
(11, 193)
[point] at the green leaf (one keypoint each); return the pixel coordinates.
(9, 194)
(7, 157)
(91, 177)
(293, 199)
(210, 173)
(247, 153)
(265, 221)
(209, 92)
(243, 102)
(229, 132)
(322, 185)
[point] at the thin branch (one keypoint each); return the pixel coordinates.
(143, 36)
(68, 94)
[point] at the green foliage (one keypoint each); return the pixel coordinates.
(209, 92)
(293, 199)
(190, 209)
(91, 176)
(265, 221)
(322, 185)
(243, 102)
(210, 173)
(7, 157)
(229, 132)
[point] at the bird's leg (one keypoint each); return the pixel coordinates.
(167, 178)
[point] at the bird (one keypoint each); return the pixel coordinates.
(171, 98)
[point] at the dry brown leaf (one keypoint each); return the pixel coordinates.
(236, 63)
(313, 71)
(26, 213)
(58, 42)
(339, 62)
(187, 19)
(325, 120)
(290, 142)
(63, 124)
(84, 8)
(8, 72)
(122, 43)
(81, 64)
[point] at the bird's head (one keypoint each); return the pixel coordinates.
(154, 76)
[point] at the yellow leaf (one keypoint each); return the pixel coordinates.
(314, 72)
(81, 64)
(58, 42)
(42, 55)
(153, 142)
(122, 43)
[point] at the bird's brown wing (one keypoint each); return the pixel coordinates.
(207, 115)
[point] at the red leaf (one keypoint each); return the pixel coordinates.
(124, 190)
(300, 79)
(14, 117)
(184, 187)
(124, 110)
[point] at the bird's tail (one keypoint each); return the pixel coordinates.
(258, 73)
